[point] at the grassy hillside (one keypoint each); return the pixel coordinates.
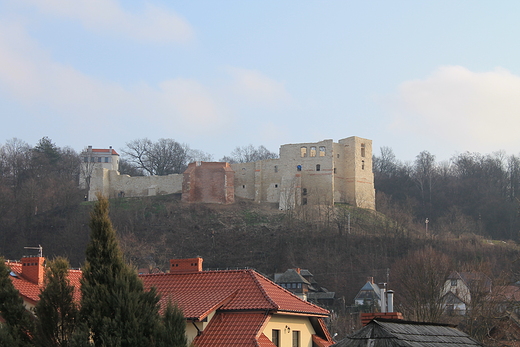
(153, 230)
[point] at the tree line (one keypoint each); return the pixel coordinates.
(470, 193)
(114, 310)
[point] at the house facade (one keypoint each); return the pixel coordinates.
(317, 173)
(221, 308)
(238, 308)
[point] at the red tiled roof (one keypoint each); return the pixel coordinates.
(233, 329)
(318, 341)
(200, 293)
(30, 291)
(108, 150)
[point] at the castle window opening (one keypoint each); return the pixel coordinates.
(106, 159)
(362, 165)
(303, 152)
(244, 186)
(363, 150)
(305, 201)
(276, 185)
(299, 168)
(99, 159)
(92, 159)
(334, 170)
(318, 167)
(304, 191)
(85, 159)
(313, 151)
(322, 151)
(337, 155)
(276, 168)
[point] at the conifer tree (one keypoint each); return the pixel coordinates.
(173, 327)
(18, 321)
(115, 308)
(56, 310)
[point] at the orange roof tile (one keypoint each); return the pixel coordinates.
(232, 329)
(31, 291)
(108, 150)
(199, 293)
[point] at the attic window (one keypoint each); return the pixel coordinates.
(313, 151)
(453, 283)
(303, 152)
(322, 151)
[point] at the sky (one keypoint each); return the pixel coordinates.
(438, 76)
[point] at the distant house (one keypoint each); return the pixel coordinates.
(460, 286)
(369, 295)
(399, 333)
(301, 283)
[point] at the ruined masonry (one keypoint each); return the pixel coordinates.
(319, 173)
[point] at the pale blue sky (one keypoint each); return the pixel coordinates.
(442, 76)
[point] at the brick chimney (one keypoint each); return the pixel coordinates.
(32, 269)
(370, 279)
(298, 270)
(186, 265)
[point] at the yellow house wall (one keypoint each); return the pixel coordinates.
(287, 324)
(191, 331)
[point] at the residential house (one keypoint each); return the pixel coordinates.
(222, 308)
(461, 286)
(301, 282)
(27, 276)
(398, 333)
(369, 295)
(238, 308)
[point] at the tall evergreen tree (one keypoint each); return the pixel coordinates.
(173, 327)
(18, 321)
(116, 309)
(56, 310)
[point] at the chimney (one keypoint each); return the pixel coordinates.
(186, 265)
(298, 270)
(32, 269)
(390, 304)
(370, 279)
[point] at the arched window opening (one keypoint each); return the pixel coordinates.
(318, 167)
(313, 151)
(322, 151)
(303, 152)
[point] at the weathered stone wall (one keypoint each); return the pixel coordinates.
(208, 182)
(317, 173)
(112, 184)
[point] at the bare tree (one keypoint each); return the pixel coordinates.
(164, 157)
(247, 154)
(418, 281)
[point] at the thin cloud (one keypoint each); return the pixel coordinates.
(258, 88)
(477, 110)
(29, 75)
(108, 17)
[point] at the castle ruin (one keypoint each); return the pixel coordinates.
(317, 173)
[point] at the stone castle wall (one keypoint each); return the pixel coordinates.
(317, 173)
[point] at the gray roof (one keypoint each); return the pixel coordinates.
(291, 276)
(369, 291)
(395, 333)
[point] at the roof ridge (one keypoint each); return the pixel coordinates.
(253, 274)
